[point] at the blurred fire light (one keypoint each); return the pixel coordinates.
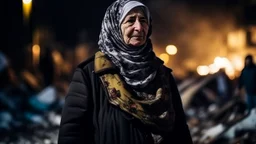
(203, 70)
(26, 1)
(223, 62)
(164, 57)
(237, 39)
(27, 5)
(36, 54)
(213, 68)
(57, 57)
(171, 49)
(237, 62)
(230, 71)
(219, 63)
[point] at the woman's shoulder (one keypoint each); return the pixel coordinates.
(97, 63)
(87, 63)
(167, 69)
(163, 67)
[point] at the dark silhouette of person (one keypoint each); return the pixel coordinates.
(247, 80)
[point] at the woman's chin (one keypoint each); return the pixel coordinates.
(137, 43)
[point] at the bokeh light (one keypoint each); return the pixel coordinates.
(203, 70)
(171, 49)
(26, 1)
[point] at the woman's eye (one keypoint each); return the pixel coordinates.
(130, 21)
(143, 21)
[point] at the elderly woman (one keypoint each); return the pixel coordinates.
(124, 94)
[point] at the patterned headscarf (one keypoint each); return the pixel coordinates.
(138, 65)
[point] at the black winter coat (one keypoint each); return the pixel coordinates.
(89, 118)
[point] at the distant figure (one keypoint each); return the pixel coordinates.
(223, 87)
(247, 80)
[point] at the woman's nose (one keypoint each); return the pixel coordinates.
(137, 25)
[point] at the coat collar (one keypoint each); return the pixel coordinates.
(102, 63)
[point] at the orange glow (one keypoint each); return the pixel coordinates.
(57, 57)
(203, 70)
(36, 54)
(253, 36)
(230, 72)
(171, 49)
(164, 57)
(237, 62)
(213, 68)
(237, 39)
(26, 1)
(81, 52)
(27, 5)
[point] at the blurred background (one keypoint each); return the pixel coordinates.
(203, 41)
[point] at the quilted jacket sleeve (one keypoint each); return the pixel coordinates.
(76, 125)
(181, 133)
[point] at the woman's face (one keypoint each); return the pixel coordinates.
(135, 28)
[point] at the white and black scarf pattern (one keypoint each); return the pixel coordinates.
(138, 65)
